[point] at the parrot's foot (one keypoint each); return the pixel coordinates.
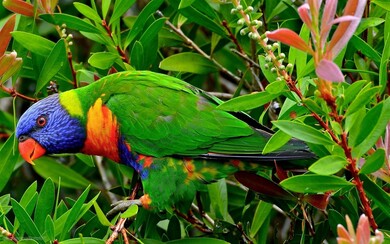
(121, 206)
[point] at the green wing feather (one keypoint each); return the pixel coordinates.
(161, 116)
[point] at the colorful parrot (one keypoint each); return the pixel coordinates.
(170, 132)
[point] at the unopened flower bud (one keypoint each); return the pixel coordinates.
(241, 21)
(249, 9)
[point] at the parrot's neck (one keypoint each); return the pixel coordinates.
(102, 132)
(104, 139)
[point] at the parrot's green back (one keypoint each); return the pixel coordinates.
(168, 131)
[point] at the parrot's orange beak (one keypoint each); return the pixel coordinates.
(30, 150)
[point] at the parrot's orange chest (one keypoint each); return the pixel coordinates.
(102, 132)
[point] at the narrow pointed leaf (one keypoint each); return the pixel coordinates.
(262, 212)
(5, 34)
(247, 102)
(120, 7)
(8, 159)
(34, 43)
(26, 222)
(319, 201)
(377, 195)
(71, 22)
(328, 165)
(262, 185)
(374, 162)
(47, 167)
(130, 212)
(45, 204)
(87, 12)
(19, 7)
(329, 71)
(188, 62)
(315, 183)
(52, 65)
(303, 132)
(289, 38)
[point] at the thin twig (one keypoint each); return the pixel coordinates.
(120, 225)
(8, 234)
(193, 45)
(14, 93)
(118, 48)
(106, 183)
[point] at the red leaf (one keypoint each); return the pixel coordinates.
(290, 38)
(319, 201)
(329, 71)
(5, 34)
(262, 185)
(280, 172)
(19, 7)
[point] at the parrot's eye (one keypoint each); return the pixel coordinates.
(41, 121)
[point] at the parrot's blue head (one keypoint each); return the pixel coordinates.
(47, 128)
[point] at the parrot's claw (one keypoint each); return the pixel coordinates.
(122, 206)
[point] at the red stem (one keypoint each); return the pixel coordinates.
(14, 93)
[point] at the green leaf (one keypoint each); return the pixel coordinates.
(105, 7)
(174, 228)
(49, 168)
(34, 43)
(53, 64)
(372, 127)
(276, 87)
(88, 12)
(45, 204)
(374, 162)
(276, 141)
(4, 204)
(130, 212)
(365, 48)
(270, 76)
(72, 22)
(385, 60)
(103, 60)
(49, 228)
(141, 20)
(303, 132)
(314, 183)
(8, 160)
(74, 213)
(83, 240)
(219, 198)
(149, 39)
(352, 91)
(26, 222)
(120, 7)
(101, 216)
(328, 165)
(203, 240)
(197, 16)
(376, 194)
(87, 159)
(362, 99)
(137, 55)
(247, 102)
(298, 57)
(382, 3)
(263, 210)
(188, 62)
(367, 23)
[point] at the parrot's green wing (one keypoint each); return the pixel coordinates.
(162, 116)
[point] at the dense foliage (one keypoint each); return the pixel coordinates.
(323, 79)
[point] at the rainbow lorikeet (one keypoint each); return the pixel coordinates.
(170, 132)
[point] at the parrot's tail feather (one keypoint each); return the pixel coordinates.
(280, 156)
